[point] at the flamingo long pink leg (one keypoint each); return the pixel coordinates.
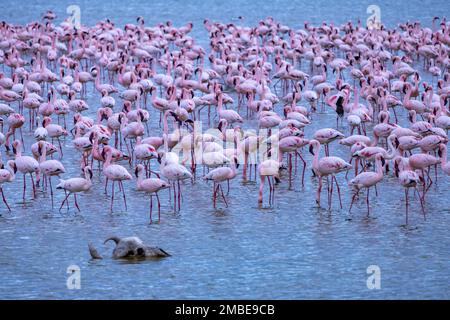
(319, 189)
(159, 208)
(330, 192)
(338, 190)
(112, 197)
(273, 191)
(123, 192)
(51, 189)
(290, 170)
(4, 199)
(76, 202)
(106, 186)
(214, 194)
(24, 187)
(223, 196)
(151, 208)
(62, 203)
(353, 200)
(179, 195)
(406, 200)
(304, 168)
(174, 197)
(261, 188)
(270, 190)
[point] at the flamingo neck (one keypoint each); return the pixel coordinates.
(43, 153)
(356, 103)
(169, 71)
(219, 104)
(87, 176)
(11, 171)
(375, 140)
(392, 151)
(108, 159)
(19, 151)
(95, 146)
(166, 132)
(444, 157)
(140, 178)
(379, 168)
(316, 157)
(407, 96)
(442, 109)
(385, 108)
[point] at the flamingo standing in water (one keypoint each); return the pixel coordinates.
(324, 167)
(150, 186)
(174, 172)
(25, 164)
(54, 131)
(7, 175)
(291, 144)
(49, 168)
(169, 166)
(114, 172)
(422, 162)
(220, 175)
(367, 180)
(408, 179)
(76, 185)
(269, 169)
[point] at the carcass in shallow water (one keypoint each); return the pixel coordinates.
(130, 247)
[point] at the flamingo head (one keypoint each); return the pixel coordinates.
(138, 169)
(312, 146)
(12, 165)
(105, 151)
(88, 171)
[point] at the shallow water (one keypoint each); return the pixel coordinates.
(293, 250)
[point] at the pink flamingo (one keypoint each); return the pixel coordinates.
(407, 178)
(367, 180)
(48, 168)
(54, 131)
(144, 152)
(169, 166)
(422, 161)
(76, 185)
(25, 164)
(230, 115)
(220, 175)
(114, 172)
(150, 186)
(326, 136)
(289, 145)
(269, 169)
(324, 167)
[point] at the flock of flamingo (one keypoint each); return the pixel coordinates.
(270, 74)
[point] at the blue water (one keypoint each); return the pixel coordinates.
(293, 250)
